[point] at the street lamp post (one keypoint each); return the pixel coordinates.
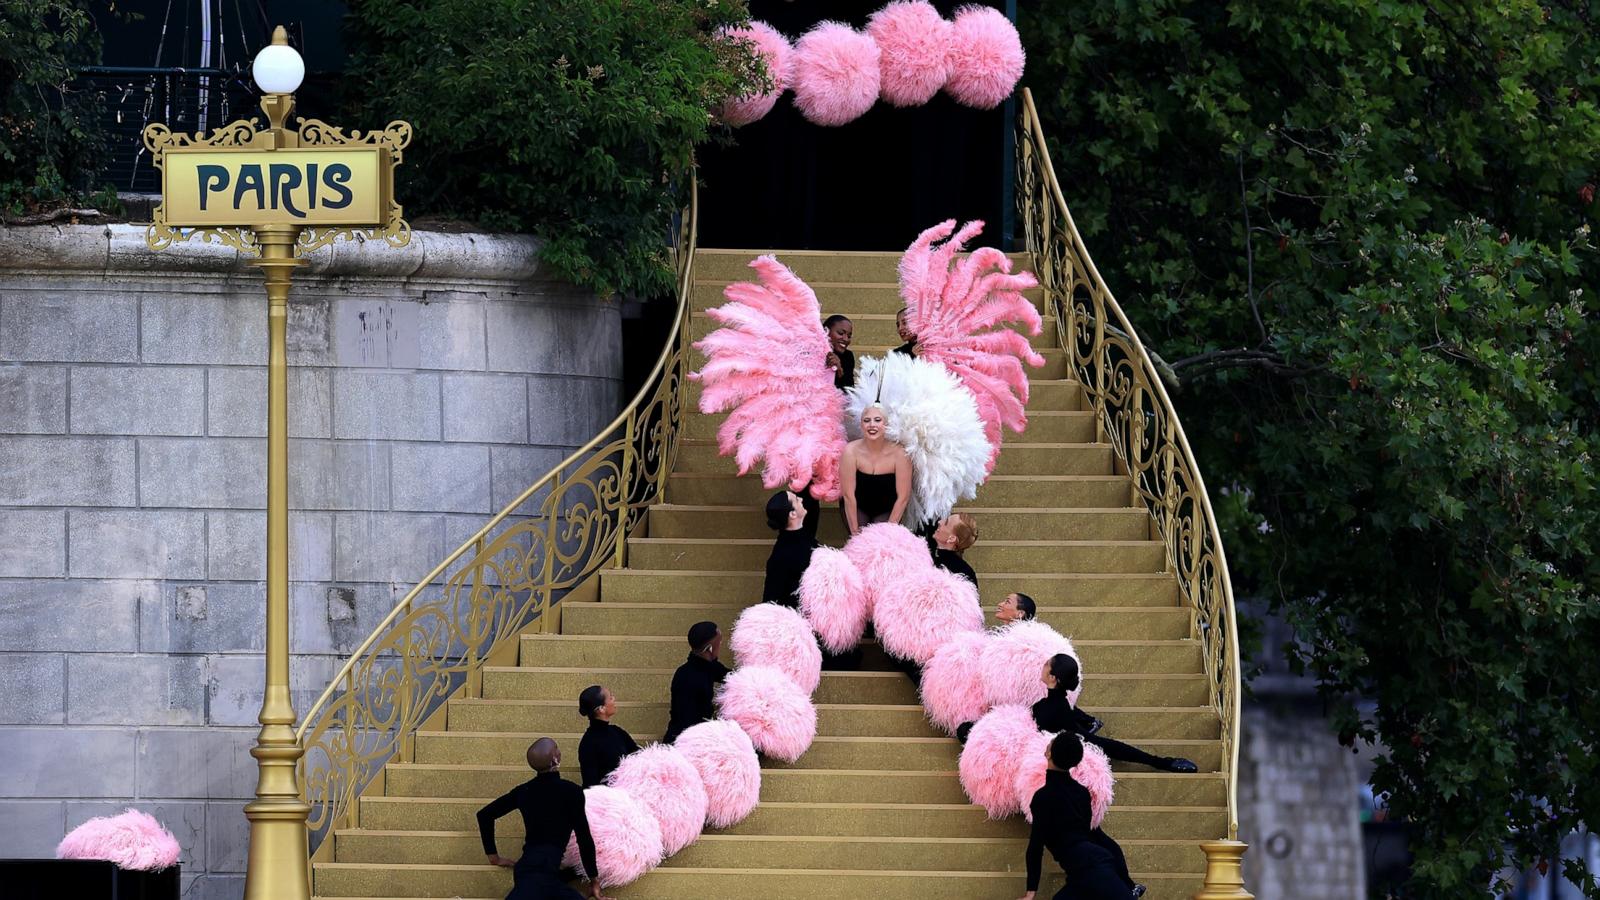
(277, 193)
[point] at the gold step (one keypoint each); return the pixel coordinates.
(1044, 394)
(876, 330)
(845, 297)
(672, 520)
(639, 585)
(745, 554)
(1044, 426)
(702, 457)
(1037, 491)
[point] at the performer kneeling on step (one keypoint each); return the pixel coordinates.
(552, 811)
(1061, 817)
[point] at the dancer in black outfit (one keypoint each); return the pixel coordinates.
(843, 363)
(910, 347)
(552, 812)
(1061, 816)
(695, 682)
(788, 514)
(956, 534)
(604, 744)
(1056, 713)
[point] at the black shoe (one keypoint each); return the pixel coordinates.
(1180, 765)
(1138, 891)
(963, 730)
(1095, 726)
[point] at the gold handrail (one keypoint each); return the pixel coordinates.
(436, 640)
(1133, 412)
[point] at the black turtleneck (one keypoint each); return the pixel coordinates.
(1056, 713)
(552, 811)
(602, 748)
(954, 563)
(791, 553)
(1061, 815)
(692, 688)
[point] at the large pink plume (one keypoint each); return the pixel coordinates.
(132, 840)
(778, 637)
(726, 760)
(835, 74)
(885, 554)
(986, 58)
(834, 600)
(627, 839)
(664, 782)
(1094, 773)
(929, 608)
(777, 715)
(766, 365)
(993, 753)
(962, 311)
(914, 51)
(952, 686)
(1013, 661)
(775, 54)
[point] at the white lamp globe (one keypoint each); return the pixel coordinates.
(278, 69)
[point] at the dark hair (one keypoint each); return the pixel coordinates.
(1066, 750)
(778, 509)
(1026, 606)
(590, 701)
(701, 634)
(833, 320)
(1065, 670)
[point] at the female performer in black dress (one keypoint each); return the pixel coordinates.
(604, 744)
(874, 475)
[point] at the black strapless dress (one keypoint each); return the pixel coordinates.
(875, 496)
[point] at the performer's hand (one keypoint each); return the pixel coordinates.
(833, 361)
(916, 349)
(496, 859)
(1028, 896)
(594, 891)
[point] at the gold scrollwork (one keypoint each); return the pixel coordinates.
(158, 139)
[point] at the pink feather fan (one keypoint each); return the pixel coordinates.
(958, 310)
(1094, 773)
(914, 51)
(132, 840)
(994, 752)
(664, 782)
(1012, 663)
(726, 760)
(774, 51)
(779, 717)
(767, 364)
(952, 686)
(886, 554)
(930, 608)
(627, 840)
(777, 637)
(834, 600)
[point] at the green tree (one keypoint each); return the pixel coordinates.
(571, 119)
(1359, 231)
(50, 145)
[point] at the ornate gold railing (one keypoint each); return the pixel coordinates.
(508, 576)
(1133, 414)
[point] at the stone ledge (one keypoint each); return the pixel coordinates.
(120, 250)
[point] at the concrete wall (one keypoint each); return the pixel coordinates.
(429, 386)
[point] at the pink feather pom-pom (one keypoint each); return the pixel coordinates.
(132, 840)
(952, 688)
(1094, 773)
(777, 637)
(775, 53)
(986, 58)
(664, 782)
(726, 760)
(931, 608)
(835, 74)
(833, 599)
(779, 717)
(993, 753)
(914, 51)
(627, 840)
(885, 554)
(1013, 663)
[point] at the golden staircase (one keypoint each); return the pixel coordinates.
(1095, 511)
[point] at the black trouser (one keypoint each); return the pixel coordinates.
(537, 876)
(1125, 752)
(1119, 862)
(1098, 883)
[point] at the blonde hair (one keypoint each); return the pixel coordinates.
(964, 528)
(875, 406)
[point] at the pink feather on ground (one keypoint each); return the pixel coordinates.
(886, 554)
(777, 715)
(914, 51)
(726, 760)
(835, 74)
(986, 57)
(952, 687)
(928, 609)
(834, 600)
(993, 754)
(132, 840)
(1013, 661)
(776, 54)
(664, 782)
(778, 637)
(627, 840)
(766, 367)
(1094, 773)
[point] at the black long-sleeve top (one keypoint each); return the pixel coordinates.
(845, 375)
(952, 562)
(791, 553)
(1061, 825)
(692, 688)
(601, 750)
(552, 810)
(1056, 713)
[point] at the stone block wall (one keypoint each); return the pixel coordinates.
(428, 387)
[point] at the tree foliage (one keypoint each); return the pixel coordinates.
(50, 144)
(571, 119)
(1359, 231)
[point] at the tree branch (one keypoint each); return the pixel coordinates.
(1249, 251)
(54, 214)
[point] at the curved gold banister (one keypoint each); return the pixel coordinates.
(1133, 413)
(439, 636)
